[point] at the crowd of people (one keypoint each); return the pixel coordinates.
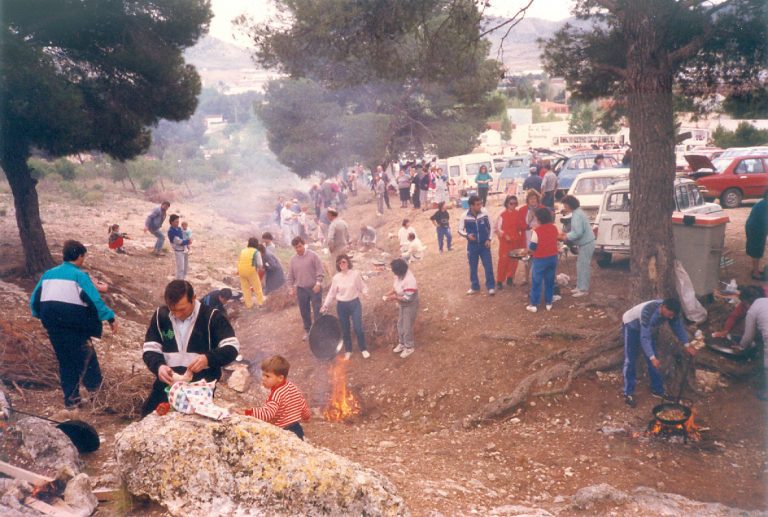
(192, 340)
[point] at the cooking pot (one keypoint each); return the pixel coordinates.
(325, 337)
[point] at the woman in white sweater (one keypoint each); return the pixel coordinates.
(346, 288)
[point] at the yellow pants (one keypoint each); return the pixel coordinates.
(250, 280)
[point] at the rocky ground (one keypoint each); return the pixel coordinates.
(470, 350)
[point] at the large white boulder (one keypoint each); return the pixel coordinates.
(242, 466)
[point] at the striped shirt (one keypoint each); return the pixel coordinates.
(285, 406)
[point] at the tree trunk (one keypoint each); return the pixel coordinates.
(652, 130)
(36, 254)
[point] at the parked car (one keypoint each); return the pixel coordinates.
(612, 222)
(589, 187)
(577, 164)
(517, 169)
(730, 179)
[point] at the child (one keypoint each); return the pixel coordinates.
(116, 239)
(266, 239)
(543, 247)
(415, 250)
(285, 406)
(187, 235)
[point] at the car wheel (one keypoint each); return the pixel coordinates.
(731, 198)
(604, 259)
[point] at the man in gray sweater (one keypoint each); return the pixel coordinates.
(305, 280)
(154, 222)
(757, 321)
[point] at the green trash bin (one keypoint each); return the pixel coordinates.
(699, 243)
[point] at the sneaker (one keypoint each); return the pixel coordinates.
(339, 346)
(531, 308)
(630, 400)
(491, 292)
(347, 356)
(472, 291)
(579, 294)
(556, 298)
(660, 395)
(549, 307)
(399, 348)
(305, 336)
(406, 353)
(366, 354)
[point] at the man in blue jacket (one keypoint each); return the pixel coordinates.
(475, 226)
(640, 325)
(71, 310)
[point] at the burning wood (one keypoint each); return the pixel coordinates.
(343, 403)
(688, 429)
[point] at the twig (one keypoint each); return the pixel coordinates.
(21, 392)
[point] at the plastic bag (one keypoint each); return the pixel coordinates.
(692, 309)
(196, 398)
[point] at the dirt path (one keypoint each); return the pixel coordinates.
(469, 350)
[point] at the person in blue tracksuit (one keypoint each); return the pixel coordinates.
(640, 326)
(71, 310)
(475, 226)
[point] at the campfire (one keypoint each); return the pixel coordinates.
(663, 428)
(343, 403)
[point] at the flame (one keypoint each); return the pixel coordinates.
(343, 403)
(688, 428)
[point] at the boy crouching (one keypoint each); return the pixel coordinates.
(285, 407)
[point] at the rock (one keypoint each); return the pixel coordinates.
(79, 495)
(195, 466)
(611, 430)
(45, 445)
(514, 509)
(586, 498)
(385, 444)
(709, 381)
(240, 380)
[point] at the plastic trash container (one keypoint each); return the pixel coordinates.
(699, 243)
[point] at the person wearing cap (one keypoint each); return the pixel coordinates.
(533, 182)
(337, 238)
(70, 307)
(640, 326)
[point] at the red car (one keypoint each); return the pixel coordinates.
(730, 179)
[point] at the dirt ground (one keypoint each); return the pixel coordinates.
(469, 350)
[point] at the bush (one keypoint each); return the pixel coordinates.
(65, 169)
(146, 183)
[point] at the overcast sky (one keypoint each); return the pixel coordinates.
(225, 10)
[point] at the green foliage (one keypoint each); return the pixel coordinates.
(65, 169)
(506, 127)
(745, 135)
(583, 120)
(538, 117)
(748, 104)
(369, 80)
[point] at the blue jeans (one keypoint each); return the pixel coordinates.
(543, 272)
(351, 310)
(160, 240)
(444, 233)
(631, 349)
(306, 297)
(480, 252)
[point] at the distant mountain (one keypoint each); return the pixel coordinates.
(521, 52)
(214, 54)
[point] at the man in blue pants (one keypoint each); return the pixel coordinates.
(640, 327)
(475, 226)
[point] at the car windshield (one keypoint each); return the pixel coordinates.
(592, 185)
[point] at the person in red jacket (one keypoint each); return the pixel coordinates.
(511, 236)
(285, 407)
(747, 296)
(543, 248)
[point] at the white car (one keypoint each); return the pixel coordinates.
(588, 188)
(612, 222)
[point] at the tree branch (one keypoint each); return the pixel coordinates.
(620, 72)
(515, 19)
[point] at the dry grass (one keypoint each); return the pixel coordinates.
(26, 358)
(122, 393)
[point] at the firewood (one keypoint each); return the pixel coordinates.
(23, 474)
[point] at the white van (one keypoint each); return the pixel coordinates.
(463, 168)
(612, 222)
(588, 188)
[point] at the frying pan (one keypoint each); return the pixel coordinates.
(519, 253)
(675, 405)
(325, 337)
(724, 346)
(82, 434)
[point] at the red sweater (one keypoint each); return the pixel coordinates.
(512, 228)
(545, 237)
(285, 406)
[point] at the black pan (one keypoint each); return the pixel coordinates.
(82, 434)
(325, 337)
(725, 346)
(667, 406)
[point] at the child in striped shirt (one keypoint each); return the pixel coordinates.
(285, 406)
